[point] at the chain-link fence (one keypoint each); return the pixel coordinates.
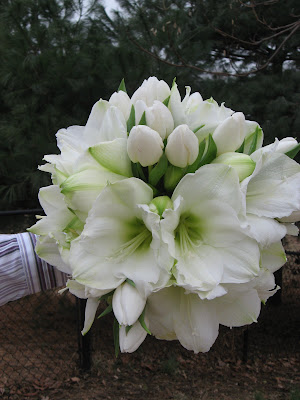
(38, 339)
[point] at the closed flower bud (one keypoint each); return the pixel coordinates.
(144, 145)
(160, 203)
(131, 340)
(122, 101)
(182, 147)
(230, 134)
(127, 304)
(158, 117)
(152, 89)
(286, 144)
(242, 163)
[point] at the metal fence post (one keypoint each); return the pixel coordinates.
(245, 345)
(84, 342)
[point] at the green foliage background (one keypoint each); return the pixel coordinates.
(58, 57)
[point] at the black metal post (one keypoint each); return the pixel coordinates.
(84, 342)
(276, 299)
(245, 345)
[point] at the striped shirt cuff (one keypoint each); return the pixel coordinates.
(22, 272)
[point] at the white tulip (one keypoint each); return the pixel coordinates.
(230, 134)
(182, 148)
(131, 340)
(286, 145)
(152, 89)
(144, 145)
(158, 117)
(122, 101)
(252, 128)
(128, 304)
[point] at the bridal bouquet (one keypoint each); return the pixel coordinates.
(171, 211)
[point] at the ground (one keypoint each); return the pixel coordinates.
(266, 366)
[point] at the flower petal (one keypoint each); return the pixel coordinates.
(210, 182)
(273, 257)
(113, 156)
(265, 230)
(196, 324)
(131, 341)
(47, 249)
(274, 189)
(238, 309)
(90, 312)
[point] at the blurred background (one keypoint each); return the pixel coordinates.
(58, 57)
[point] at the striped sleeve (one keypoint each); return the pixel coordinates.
(22, 272)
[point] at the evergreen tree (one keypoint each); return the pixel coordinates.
(53, 68)
(245, 53)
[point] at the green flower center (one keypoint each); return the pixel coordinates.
(139, 240)
(188, 233)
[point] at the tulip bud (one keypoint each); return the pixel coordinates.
(144, 145)
(131, 340)
(152, 89)
(286, 144)
(160, 203)
(242, 163)
(158, 117)
(127, 304)
(230, 134)
(122, 101)
(252, 130)
(182, 147)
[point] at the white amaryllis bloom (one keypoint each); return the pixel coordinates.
(90, 157)
(158, 117)
(242, 163)
(131, 340)
(121, 240)
(182, 147)
(144, 145)
(273, 190)
(151, 89)
(128, 304)
(56, 229)
(72, 147)
(175, 314)
(230, 134)
(271, 193)
(204, 234)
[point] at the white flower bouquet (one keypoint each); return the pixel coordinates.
(171, 211)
